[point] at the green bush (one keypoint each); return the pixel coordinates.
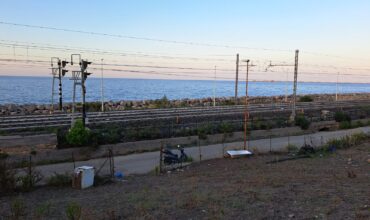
(306, 98)
(78, 135)
(342, 116)
(301, 121)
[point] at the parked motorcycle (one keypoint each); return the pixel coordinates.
(170, 157)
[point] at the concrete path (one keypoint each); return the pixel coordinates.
(146, 162)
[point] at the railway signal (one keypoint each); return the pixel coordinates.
(79, 78)
(57, 73)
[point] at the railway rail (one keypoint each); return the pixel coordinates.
(8, 123)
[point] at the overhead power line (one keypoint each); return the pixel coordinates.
(104, 52)
(47, 63)
(140, 38)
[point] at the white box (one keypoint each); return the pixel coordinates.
(84, 177)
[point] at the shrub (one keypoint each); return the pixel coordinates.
(345, 125)
(306, 98)
(341, 116)
(203, 130)
(62, 138)
(162, 103)
(301, 121)
(225, 127)
(292, 148)
(93, 106)
(3, 155)
(28, 182)
(7, 177)
(60, 180)
(110, 135)
(359, 124)
(78, 135)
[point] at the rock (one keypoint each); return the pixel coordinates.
(30, 108)
(12, 107)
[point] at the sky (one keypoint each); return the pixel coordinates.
(194, 39)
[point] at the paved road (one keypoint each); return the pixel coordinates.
(146, 162)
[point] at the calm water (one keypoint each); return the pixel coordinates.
(21, 90)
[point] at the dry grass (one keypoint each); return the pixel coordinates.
(226, 188)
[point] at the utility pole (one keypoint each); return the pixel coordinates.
(246, 113)
(236, 79)
(102, 87)
(214, 89)
(292, 117)
(336, 90)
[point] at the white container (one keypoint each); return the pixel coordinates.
(84, 177)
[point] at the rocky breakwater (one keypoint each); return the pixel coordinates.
(34, 109)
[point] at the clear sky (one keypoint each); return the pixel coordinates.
(332, 36)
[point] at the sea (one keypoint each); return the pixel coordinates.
(38, 90)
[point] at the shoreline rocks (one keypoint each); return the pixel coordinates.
(38, 109)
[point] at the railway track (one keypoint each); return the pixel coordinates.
(8, 123)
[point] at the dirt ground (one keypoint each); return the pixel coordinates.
(330, 187)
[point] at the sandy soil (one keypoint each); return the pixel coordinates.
(330, 187)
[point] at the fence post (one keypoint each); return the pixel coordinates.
(200, 152)
(74, 162)
(270, 145)
(30, 171)
(160, 157)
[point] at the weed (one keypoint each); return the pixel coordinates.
(17, 209)
(28, 182)
(346, 141)
(43, 210)
(292, 148)
(345, 125)
(60, 180)
(73, 211)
